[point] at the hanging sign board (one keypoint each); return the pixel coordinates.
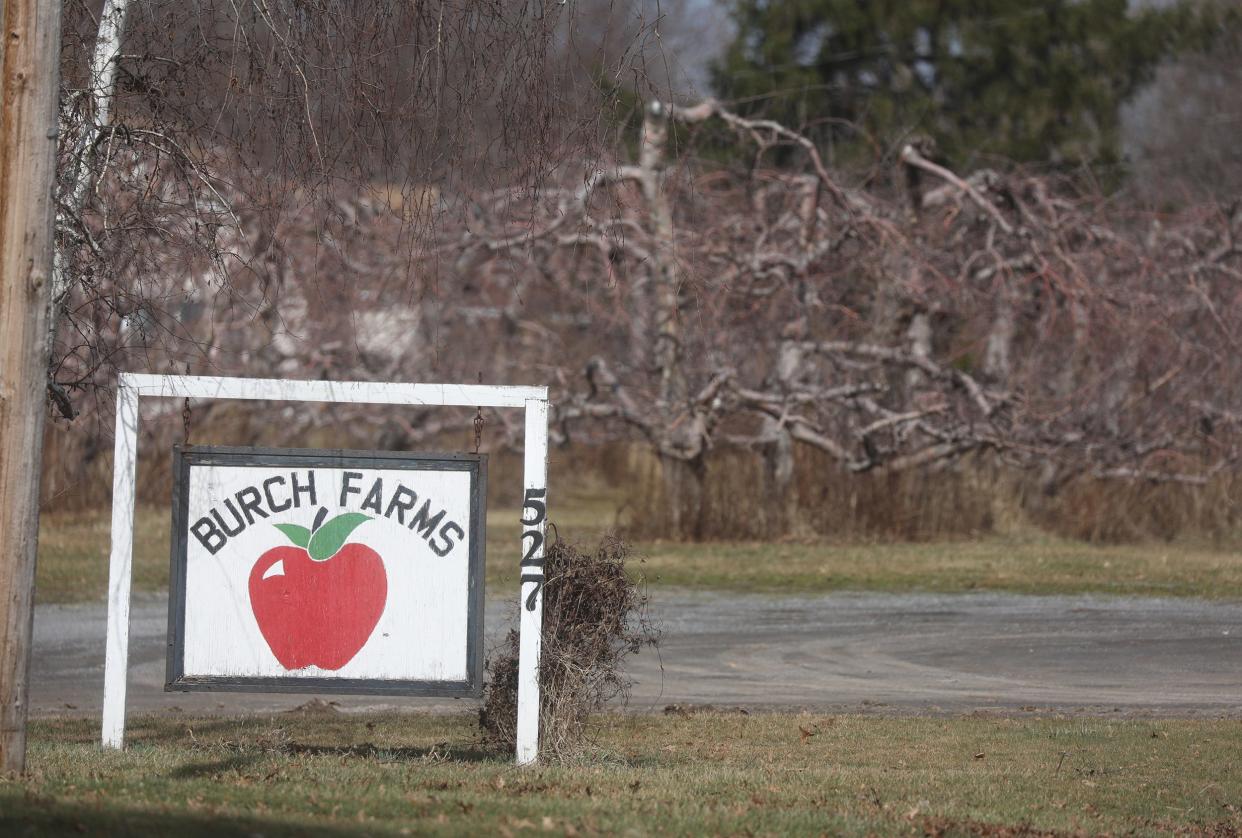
(327, 571)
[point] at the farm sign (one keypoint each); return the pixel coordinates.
(327, 571)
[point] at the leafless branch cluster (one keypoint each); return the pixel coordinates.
(693, 297)
(197, 140)
(998, 312)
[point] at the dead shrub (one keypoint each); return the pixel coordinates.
(975, 495)
(821, 500)
(1111, 511)
(593, 617)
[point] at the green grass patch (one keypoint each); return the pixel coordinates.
(73, 561)
(1030, 566)
(74, 548)
(699, 774)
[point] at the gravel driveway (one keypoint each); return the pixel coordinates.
(901, 653)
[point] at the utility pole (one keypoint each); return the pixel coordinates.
(29, 83)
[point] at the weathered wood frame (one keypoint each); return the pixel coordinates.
(131, 387)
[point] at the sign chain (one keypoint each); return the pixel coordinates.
(478, 421)
(185, 415)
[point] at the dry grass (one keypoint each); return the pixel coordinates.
(1041, 565)
(763, 774)
(73, 563)
(973, 497)
(73, 554)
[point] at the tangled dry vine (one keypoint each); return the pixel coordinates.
(724, 288)
(594, 616)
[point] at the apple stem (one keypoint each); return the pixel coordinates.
(323, 513)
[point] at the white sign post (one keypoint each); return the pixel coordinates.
(320, 665)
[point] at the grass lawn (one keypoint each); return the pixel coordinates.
(700, 774)
(73, 561)
(1032, 566)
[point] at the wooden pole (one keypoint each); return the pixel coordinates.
(29, 81)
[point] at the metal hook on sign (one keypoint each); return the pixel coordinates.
(185, 416)
(478, 422)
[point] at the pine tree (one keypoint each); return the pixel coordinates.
(1030, 81)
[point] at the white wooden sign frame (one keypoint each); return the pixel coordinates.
(131, 387)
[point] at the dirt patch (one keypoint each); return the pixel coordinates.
(934, 827)
(316, 707)
(684, 710)
(946, 827)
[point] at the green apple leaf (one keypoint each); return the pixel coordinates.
(328, 539)
(300, 536)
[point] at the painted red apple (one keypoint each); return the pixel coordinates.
(318, 601)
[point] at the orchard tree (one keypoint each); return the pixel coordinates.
(194, 137)
(777, 309)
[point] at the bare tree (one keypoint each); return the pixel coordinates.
(1008, 314)
(191, 137)
(715, 285)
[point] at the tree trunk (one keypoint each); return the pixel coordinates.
(1072, 371)
(668, 354)
(97, 113)
(778, 449)
(997, 354)
(683, 479)
(778, 472)
(919, 336)
(29, 82)
(684, 488)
